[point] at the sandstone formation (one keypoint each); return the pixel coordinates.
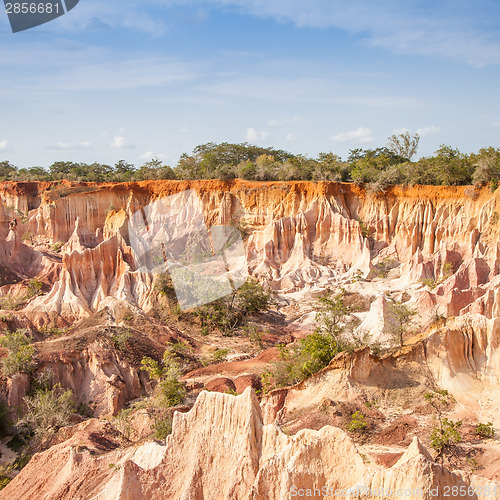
(239, 458)
(77, 272)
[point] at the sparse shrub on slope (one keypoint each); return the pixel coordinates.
(315, 351)
(485, 430)
(20, 353)
(169, 389)
(228, 313)
(48, 410)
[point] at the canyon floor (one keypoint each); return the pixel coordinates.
(81, 274)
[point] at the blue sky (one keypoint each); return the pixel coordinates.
(123, 79)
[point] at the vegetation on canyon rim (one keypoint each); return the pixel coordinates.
(380, 167)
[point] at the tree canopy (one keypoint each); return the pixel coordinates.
(379, 167)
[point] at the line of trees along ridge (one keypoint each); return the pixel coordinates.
(380, 167)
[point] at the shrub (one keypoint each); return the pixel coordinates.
(255, 335)
(48, 410)
(485, 430)
(431, 283)
(4, 480)
(448, 433)
(56, 247)
(20, 353)
(171, 390)
(163, 427)
(313, 352)
(34, 287)
(252, 298)
(227, 313)
(122, 422)
(376, 349)
(309, 355)
(220, 355)
(52, 331)
(4, 418)
(120, 339)
(357, 422)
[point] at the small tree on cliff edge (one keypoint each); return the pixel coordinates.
(444, 436)
(403, 320)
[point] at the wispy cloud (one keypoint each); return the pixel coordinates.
(256, 136)
(291, 137)
(450, 29)
(281, 122)
(147, 155)
(3, 145)
(430, 130)
(380, 101)
(360, 135)
(71, 146)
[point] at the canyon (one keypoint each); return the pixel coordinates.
(80, 259)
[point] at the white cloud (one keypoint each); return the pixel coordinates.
(147, 155)
(3, 145)
(359, 135)
(496, 124)
(399, 131)
(431, 130)
(119, 142)
(256, 136)
(71, 146)
(280, 122)
(290, 137)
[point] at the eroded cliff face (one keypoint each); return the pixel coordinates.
(239, 458)
(298, 235)
(435, 249)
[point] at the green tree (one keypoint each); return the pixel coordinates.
(7, 170)
(486, 166)
(332, 313)
(403, 315)
(404, 145)
(452, 167)
(211, 160)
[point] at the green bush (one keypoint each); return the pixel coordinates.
(485, 430)
(298, 362)
(357, 422)
(315, 351)
(4, 418)
(170, 390)
(227, 313)
(448, 433)
(56, 247)
(20, 353)
(48, 410)
(163, 428)
(34, 287)
(219, 356)
(252, 298)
